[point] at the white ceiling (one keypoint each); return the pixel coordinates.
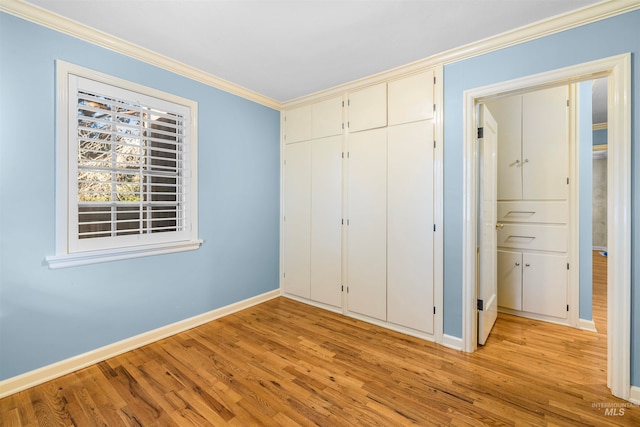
(284, 49)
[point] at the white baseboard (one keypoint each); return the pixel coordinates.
(58, 369)
(452, 342)
(634, 395)
(599, 248)
(587, 325)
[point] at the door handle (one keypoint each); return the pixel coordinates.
(499, 226)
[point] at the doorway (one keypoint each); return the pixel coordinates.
(618, 70)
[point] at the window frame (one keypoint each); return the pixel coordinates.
(70, 250)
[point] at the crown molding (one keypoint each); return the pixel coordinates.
(552, 25)
(75, 29)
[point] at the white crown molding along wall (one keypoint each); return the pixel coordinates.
(539, 29)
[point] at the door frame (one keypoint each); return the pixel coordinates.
(618, 70)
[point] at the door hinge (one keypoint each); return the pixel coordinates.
(348, 123)
(343, 103)
(342, 286)
(567, 266)
(434, 144)
(480, 133)
(434, 310)
(480, 305)
(343, 126)
(567, 307)
(434, 107)
(284, 274)
(434, 79)
(567, 102)
(567, 180)
(348, 102)
(434, 227)
(343, 154)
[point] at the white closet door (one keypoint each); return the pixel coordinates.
(367, 229)
(545, 144)
(410, 226)
(297, 219)
(297, 124)
(508, 115)
(326, 118)
(411, 98)
(326, 217)
(544, 284)
(510, 280)
(368, 108)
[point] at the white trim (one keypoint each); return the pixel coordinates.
(438, 208)
(72, 28)
(599, 248)
(452, 342)
(58, 369)
(93, 257)
(634, 395)
(587, 325)
(618, 69)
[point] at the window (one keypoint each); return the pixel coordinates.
(126, 180)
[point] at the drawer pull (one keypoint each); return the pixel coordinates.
(528, 213)
(528, 238)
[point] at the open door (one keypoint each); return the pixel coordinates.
(487, 237)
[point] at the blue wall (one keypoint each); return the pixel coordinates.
(598, 40)
(50, 315)
(599, 137)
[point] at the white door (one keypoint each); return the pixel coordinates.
(508, 112)
(487, 239)
(368, 108)
(297, 219)
(367, 224)
(410, 225)
(326, 217)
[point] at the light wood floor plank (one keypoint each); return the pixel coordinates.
(284, 363)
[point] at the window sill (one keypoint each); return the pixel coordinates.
(94, 257)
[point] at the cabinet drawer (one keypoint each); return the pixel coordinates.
(527, 211)
(533, 236)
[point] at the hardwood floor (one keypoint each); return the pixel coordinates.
(286, 363)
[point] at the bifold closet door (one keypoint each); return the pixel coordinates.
(367, 223)
(297, 219)
(326, 217)
(410, 225)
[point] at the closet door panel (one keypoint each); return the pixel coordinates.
(545, 144)
(411, 98)
(368, 108)
(410, 226)
(510, 280)
(367, 229)
(544, 284)
(297, 124)
(508, 115)
(297, 219)
(326, 118)
(326, 217)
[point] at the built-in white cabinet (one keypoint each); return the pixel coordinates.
(359, 208)
(367, 108)
(533, 145)
(326, 220)
(313, 121)
(297, 224)
(533, 282)
(533, 202)
(410, 219)
(367, 223)
(411, 98)
(312, 220)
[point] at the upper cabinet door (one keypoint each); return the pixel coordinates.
(297, 124)
(326, 118)
(368, 108)
(508, 115)
(545, 144)
(411, 98)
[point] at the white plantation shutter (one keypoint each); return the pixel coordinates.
(129, 168)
